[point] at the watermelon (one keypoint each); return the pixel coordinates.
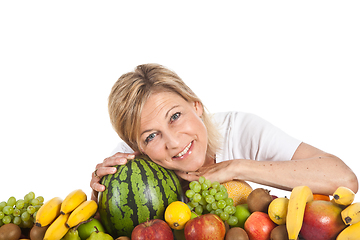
(139, 191)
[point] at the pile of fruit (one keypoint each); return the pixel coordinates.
(263, 216)
(22, 211)
(142, 202)
(55, 219)
(267, 217)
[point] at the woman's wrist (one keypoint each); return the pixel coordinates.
(240, 169)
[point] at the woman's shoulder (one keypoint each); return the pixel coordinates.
(221, 118)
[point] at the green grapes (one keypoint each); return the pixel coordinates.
(211, 197)
(8, 210)
(2, 205)
(11, 201)
(6, 219)
(21, 212)
(20, 204)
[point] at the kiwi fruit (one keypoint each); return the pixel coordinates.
(279, 233)
(10, 231)
(236, 233)
(259, 200)
(37, 233)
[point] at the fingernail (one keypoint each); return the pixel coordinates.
(131, 156)
(122, 160)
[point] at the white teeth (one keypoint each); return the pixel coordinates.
(184, 151)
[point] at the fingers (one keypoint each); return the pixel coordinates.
(103, 171)
(188, 176)
(96, 177)
(106, 168)
(209, 174)
(117, 159)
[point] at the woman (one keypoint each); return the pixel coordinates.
(155, 113)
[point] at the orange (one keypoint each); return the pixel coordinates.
(238, 190)
(321, 197)
(177, 214)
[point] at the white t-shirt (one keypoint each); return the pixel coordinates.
(246, 136)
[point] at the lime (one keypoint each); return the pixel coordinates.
(242, 213)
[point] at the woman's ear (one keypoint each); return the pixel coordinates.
(198, 108)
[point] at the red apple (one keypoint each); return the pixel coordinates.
(205, 227)
(322, 220)
(259, 226)
(155, 229)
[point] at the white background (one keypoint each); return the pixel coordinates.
(296, 64)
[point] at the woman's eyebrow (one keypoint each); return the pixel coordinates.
(166, 116)
(167, 113)
(149, 130)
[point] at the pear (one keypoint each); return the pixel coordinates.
(72, 234)
(99, 235)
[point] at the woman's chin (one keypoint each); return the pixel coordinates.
(191, 169)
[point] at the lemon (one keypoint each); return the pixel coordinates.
(177, 214)
(278, 209)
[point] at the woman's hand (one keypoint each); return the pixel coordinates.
(221, 172)
(105, 168)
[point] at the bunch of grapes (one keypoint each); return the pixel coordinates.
(211, 197)
(21, 212)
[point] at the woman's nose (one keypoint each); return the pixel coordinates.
(171, 140)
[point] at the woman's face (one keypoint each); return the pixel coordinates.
(172, 132)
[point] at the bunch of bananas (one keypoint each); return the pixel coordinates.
(63, 215)
(350, 215)
(294, 210)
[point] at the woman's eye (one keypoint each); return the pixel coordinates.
(150, 137)
(175, 117)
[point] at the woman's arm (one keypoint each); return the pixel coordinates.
(319, 170)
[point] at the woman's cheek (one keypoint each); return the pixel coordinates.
(154, 152)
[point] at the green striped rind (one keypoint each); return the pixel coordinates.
(138, 191)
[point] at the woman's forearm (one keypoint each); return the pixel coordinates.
(323, 173)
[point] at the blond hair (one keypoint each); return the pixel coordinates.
(131, 91)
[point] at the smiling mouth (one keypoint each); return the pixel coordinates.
(184, 151)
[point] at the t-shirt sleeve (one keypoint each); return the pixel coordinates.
(122, 147)
(247, 136)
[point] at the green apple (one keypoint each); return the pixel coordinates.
(87, 228)
(242, 213)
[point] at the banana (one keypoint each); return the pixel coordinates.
(82, 213)
(296, 207)
(58, 228)
(72, 201)
(48, 212)
(351, 214)
(350, 233)
(344, 196)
